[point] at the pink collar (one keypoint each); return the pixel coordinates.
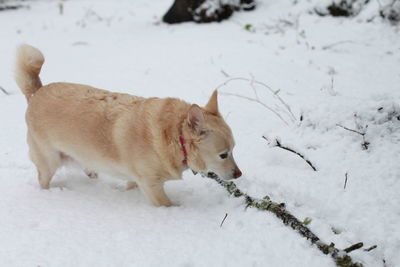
(182, 140)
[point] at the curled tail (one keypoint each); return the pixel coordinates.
(28, 66)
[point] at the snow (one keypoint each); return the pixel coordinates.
(124, 47)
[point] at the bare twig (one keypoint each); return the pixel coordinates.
(61, 7)
(225, 74)
(226, 215)
(278, 209)
(364, 144)
(79, 43)
(287, 110)
(351, 130)
(354, 247)
(370, 248)
(259, 102)
(330, 89)
(345, 181)
(10, 7)
(277, 143)
(4, 91)
(281, 25)
(325, 47)
(252, 86)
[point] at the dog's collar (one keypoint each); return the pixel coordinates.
(182, 140)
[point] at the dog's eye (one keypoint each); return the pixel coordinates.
(223, 155)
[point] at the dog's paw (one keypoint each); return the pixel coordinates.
(131, 185)
(91, 174)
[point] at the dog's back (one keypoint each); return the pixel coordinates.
(98, 129)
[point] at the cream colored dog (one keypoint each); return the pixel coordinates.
(146, 140)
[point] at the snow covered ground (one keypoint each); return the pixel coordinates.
(331, 71)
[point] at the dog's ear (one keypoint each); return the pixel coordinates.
(196, 118)
(212, 105)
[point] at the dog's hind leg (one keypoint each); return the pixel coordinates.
(69, 160)
(46, 161)
(131, 185)
(91, 174)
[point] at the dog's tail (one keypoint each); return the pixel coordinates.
(28, 66)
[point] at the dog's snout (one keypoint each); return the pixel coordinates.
(237, 173)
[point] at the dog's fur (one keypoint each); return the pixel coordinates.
(120, 134)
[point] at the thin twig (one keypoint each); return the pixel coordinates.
(259, 102)
(354, 247)
(325, 47)
(364, 144)
(278, 144)
(351, 130)
(266, 204)
(226, 215)
(253, 87)
(330, 89)
(4, 91)
(10, 7)
(370, 248)
(287, 109)
(225, 74)
(345, 181)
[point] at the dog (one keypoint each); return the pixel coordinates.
(146, 140)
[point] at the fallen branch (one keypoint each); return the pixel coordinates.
(277, 143)
(266, 204)
(4, 91)
(345, 181)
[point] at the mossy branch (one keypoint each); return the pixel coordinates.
(341, 257)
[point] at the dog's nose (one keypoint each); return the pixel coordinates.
(237, 173)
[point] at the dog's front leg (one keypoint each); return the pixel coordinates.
(155, 192)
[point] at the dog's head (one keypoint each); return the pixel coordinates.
(210, 141)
